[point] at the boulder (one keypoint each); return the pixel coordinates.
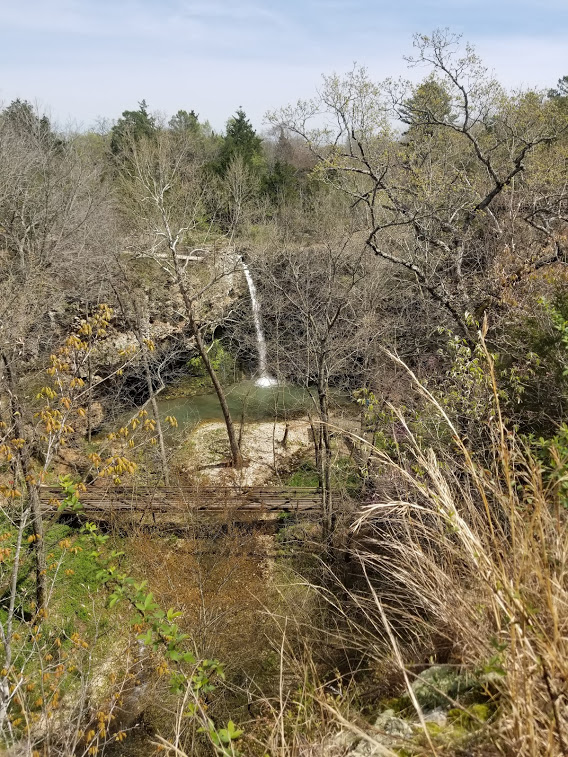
(390, 724)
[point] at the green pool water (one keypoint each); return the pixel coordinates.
(258, 404)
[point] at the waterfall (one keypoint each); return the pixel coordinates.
(264, 379)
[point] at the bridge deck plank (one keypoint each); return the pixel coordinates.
(178, 500)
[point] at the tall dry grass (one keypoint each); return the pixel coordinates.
(475, 553)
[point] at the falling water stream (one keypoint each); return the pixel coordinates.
(264, 378)
(263, 399)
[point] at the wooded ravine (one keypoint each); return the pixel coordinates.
(283, 437)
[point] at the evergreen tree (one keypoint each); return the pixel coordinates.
(24, 120)
(184, 121)
(559, 95)
(240, 140)
(561, 89)
(133, 124)
(280, 182)
(430, 104)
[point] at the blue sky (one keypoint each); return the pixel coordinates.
(89, 59)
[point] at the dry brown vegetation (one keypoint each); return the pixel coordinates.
(421, 272)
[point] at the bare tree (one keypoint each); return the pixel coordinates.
(165, 190)
(312, 295)
(433, 199)
(53, 205)
(240, 187)
(134, 307)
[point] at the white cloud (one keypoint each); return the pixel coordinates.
(214, 56)
(174, 21)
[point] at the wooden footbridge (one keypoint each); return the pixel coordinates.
(149, 505)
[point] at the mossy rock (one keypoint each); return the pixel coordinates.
(434, 729)
(398, 704)
(392, 725)
(470, 717)
(439, 685)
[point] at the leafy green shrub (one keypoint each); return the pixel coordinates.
(305, 475)
(222, 361)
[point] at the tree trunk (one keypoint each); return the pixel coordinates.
(39, 545)
(233, 442)
(32, 490)
(142, 333)
(90, 386)
(6, 691)
(156, 414)
(89, 399)
(194, 326)
(316, 437)
(328, 517)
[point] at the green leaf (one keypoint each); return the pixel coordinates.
(233, 731)
(147, 638)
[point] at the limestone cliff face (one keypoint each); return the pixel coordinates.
(148, 303)
(156, 313)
